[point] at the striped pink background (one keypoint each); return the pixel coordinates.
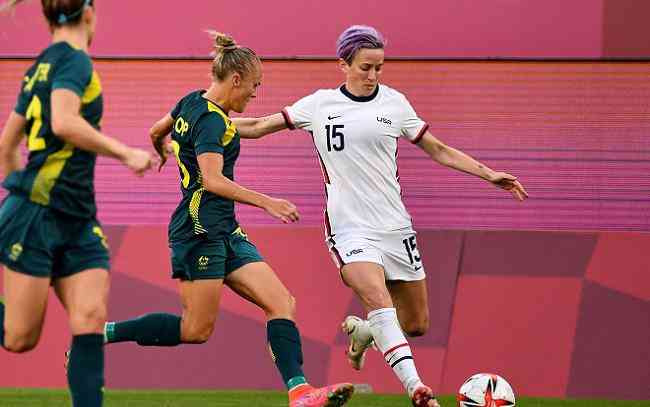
(577, 135)
(444, 28)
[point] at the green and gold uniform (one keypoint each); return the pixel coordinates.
(204, 236)
(48, 224)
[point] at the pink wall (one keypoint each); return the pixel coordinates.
(576, 134)
(417, 28)
(555, 313)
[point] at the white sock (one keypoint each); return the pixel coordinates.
(392, 343)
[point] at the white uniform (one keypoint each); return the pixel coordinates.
(356, 141)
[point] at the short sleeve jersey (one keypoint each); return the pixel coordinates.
(356, 139)
(201, 126)
(57, 174)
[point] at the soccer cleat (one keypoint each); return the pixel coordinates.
(329, 396)
(356, 352)
(423, 397)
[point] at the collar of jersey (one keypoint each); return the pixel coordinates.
(368, 98)
(202, 92)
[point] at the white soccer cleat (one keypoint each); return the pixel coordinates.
(359, 344)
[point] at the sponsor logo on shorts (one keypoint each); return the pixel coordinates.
(353, 252)
(417, 268)
(202, 263)
(16, 251)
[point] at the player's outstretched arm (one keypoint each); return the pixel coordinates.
(458, 160)
(260, 126)
(211, 165)
(12, 134)
(74, 129)
(158, 133)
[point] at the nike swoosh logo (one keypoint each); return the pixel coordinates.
(417, 268)
(333, 117)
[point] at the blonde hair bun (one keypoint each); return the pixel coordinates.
(222, 42)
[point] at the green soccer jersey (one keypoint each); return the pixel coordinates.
(201, 126)
(57, 174)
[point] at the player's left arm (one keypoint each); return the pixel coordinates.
(158, 133)
(458, 160)
(12, 135)
(259, 127)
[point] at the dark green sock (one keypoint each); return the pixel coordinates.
(284, 339)
(2, 324)
(147, 330)
(86, 370)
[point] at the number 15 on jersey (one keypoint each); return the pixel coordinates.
(335, 138)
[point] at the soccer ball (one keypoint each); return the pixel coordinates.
(485, 390)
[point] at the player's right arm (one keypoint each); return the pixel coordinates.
(12, 134)
(260, 126)
(211, 164)
(209, 145)
(299, 115)
(158, 133)
(68, 125)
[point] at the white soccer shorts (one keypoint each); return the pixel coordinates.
(397, 252)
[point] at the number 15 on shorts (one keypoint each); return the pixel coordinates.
(412, 251)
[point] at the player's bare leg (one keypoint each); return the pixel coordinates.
(25, 301)
(368, 282)
(411, 302)
(84, 296)
(258, 283)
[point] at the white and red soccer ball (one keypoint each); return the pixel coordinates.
(485, 390)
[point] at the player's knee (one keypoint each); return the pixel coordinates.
(198, 333)
(291, 305)
(418, 327)
(20, 343)
(283, 306)
(90, 318)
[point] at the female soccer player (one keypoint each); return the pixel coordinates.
(49, 233)
(208, 246)
(356, 128)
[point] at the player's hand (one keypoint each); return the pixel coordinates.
(509, 182)
(163, 151)
(138, 161)
(282, 209)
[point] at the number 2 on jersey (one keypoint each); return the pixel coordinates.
(35, 113)
(335, 139)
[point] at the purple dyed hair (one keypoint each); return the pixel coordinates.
(356, 37)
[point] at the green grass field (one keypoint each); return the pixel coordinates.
(59, 398)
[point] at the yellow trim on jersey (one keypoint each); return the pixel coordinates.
(93, 90)
(49, 173)
(195, 202)
(240, 232)
(177, 153)
(231, 129)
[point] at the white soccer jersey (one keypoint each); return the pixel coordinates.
(356, 141)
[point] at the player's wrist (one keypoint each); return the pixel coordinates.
(122, 152)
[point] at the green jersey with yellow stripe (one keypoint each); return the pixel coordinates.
(201, 126)
(57, 174)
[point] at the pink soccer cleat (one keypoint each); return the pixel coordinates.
(329, 396)
(423, 397)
